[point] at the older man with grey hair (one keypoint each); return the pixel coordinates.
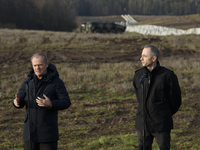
(43, 93)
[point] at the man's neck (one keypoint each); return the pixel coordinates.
(39, 77)
(150, 68)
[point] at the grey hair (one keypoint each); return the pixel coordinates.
(40, 54)
(154, 50)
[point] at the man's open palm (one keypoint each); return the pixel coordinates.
(43, 102)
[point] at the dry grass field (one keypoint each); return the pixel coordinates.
(97, 70)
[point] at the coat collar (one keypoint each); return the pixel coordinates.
(154, 70)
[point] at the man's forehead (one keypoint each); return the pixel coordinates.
(146, 51)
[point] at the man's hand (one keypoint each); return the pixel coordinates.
(44, 102)
(16, 101)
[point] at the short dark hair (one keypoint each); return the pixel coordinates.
(41, 54)
(154, 50)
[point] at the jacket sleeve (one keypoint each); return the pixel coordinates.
(134, 85)
(174, 93)
(63, 101)
(21, 94)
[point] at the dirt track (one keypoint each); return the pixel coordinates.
(117, 51)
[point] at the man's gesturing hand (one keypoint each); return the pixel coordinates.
(44, 102)
(16, 101)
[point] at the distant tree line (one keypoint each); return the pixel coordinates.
(38, 14)
(134, 7)
(59, 15)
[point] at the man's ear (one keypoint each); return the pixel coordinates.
(47, 64)
(154, 58)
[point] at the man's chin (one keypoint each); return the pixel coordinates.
(38, 75)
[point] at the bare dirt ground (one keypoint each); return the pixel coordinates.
(117, 51)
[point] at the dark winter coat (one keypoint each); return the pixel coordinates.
(162, 96)
(44, 121)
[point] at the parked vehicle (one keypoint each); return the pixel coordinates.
(102, 27)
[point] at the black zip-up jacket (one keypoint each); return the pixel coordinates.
(162, 98)
(44, 121)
